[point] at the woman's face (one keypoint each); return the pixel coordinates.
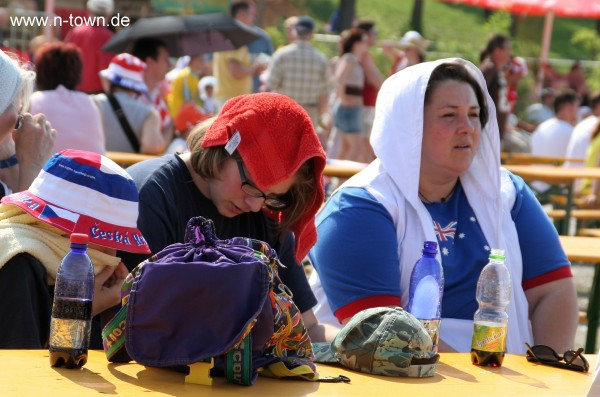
(226, 192)
(451, 130)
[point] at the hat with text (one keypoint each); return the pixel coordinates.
(85, 192)
(127, 71)
(304, 25)
(382, 341)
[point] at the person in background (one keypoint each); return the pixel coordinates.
(184, 87)
(551, 138)
(409, 51)
(34, 232)
(90, 39)
(350, 78)
(517, 137)
(235, 69)
(373, 80)
(301, 72)
(250, 178)
(289, 26)
(538, 112)
(26, 141)
(582, 133)
(438, 177)
(494, 57)
(187, 118)
(154, 53)
(125, 79)
(72, 113)
(259, 48)
(207, 86)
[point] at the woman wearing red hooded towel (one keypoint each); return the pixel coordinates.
(256, 170)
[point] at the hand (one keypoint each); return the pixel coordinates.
(107, 288)
(34, 144)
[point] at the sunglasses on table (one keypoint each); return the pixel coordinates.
(273, 203)
(571, 359)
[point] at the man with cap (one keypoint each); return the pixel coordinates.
(301, 72)
(34, 232)
(255, 170)
(90, 39)
(129, 125)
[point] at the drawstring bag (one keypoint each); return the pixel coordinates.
(211, 299)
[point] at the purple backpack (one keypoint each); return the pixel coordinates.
(211, 298)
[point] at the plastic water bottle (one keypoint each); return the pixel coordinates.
(426, 290)
(72, 309)
(491, 321)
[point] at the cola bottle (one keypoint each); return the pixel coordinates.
(70, 324)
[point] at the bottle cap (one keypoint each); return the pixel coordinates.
(497, 253)
(430, 247)
(79, 238)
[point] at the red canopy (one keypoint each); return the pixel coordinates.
(560, 8)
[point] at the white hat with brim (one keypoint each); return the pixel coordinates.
(412, 39)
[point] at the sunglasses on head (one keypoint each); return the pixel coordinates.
(571, 359)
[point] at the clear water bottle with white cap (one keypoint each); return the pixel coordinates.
(426, 290)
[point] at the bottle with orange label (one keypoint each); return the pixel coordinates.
(490, 325)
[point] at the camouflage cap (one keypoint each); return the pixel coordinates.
(382, 341)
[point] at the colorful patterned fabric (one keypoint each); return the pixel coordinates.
(243, 315)
(382, 341)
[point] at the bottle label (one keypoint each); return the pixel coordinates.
(72, 309)
(70, 324)
(489, 337)
(433, 329)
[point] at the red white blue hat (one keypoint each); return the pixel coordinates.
(126, 71)
(85, 192)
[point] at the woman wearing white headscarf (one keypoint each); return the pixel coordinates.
(437, 177)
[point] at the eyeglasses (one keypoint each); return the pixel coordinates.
(19, 122)
(546, 355)
(272, 203)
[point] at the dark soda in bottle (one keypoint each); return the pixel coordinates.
(70, 324)
(490, 322)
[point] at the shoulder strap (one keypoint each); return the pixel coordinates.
(133, 140)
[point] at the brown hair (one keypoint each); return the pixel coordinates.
(57, 64)
(455, 71)
(208, 162)
(349, 37)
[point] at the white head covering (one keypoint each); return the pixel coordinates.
(10, 81)
(393, 179)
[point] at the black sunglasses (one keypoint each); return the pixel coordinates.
(573, 360)
(250, 189)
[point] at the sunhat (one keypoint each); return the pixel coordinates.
(85, 192)
(10, 81)
(126, 71)
(274, 136)
(412, 39)
(382, 341)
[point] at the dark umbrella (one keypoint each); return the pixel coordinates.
(185, 34)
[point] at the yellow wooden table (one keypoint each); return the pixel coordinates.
(126, 159)
(28, 373)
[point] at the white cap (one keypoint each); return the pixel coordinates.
(101, 7)
(10, 81)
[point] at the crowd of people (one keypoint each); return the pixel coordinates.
(246, 134)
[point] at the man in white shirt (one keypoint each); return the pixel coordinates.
(551, 138)
(582, 134)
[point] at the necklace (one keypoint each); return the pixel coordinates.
(443, 199)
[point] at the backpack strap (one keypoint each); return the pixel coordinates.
(133, 140)
(238, 365)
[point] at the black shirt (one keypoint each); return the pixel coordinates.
(169, 198)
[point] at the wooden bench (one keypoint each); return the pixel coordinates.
(579, 214)
(528, 159)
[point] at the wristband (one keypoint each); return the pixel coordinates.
(9, 162)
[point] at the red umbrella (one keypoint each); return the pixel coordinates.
(548, 8)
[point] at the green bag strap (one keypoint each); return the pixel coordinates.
(238, 365)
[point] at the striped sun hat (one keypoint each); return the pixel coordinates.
(126, 71)
(85, 192)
